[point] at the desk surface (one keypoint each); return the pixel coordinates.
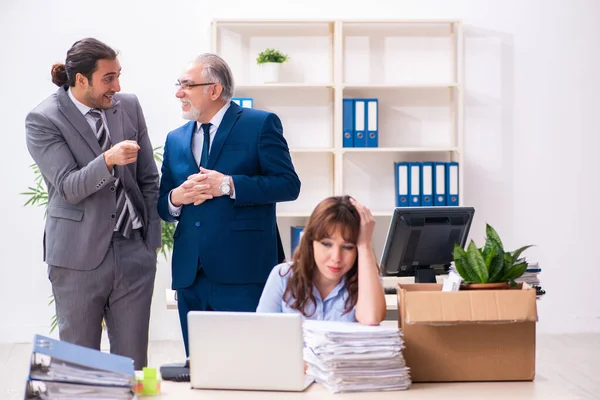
(466, 390)
(391, 300)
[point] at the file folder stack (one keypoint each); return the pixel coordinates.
(360, 123)
(426, 184)
(350, 357)
(295, 236)
(245, 102)
(61, 370)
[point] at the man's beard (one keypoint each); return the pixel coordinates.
(98, 101)
(193, 114)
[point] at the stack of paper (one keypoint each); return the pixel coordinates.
(532, 278)
(61, 370)
(350, 357)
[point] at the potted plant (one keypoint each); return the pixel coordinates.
(270, 61)
(38, 196)
(489, 267)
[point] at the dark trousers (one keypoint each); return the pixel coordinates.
(205, 295)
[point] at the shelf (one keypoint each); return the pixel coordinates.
(290, 85)
(398, 149)
(307, 150)
(293, 214)
(413, 67)
(382, 213)
(400, 86)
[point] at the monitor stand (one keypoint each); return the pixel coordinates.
(425, 275)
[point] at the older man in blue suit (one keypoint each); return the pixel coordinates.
(222, 174)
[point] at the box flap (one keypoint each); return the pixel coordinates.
(470, 306)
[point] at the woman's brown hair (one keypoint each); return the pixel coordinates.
(331, 213)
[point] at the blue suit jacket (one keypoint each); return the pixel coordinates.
(234, 241)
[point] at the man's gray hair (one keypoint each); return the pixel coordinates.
(215, 69)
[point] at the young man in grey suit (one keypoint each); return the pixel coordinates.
(102, 228)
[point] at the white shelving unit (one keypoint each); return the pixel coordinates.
(414, 68)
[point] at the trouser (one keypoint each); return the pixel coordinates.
(119, 291)
(205, 295)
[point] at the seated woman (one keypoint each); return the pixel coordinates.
(333, 274)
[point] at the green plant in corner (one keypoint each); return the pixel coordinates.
(491, 263)
(271, 56)
(38, 196)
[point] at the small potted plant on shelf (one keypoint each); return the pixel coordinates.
(489, 267)
(270, 61)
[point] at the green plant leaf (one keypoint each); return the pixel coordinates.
(271, 56)
(488, 255)
(492, 236)
(477, 263)
(515, 271)
(461, 264)
(496, 268)
(515, 254)
(508, 263)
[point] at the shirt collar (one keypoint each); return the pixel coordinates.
(217, 118)
(334, 292)
(80, 106)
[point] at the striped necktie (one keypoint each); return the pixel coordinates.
(124, 206)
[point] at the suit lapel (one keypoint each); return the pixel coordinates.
(114, 119)
(77, 119)
(229, 120)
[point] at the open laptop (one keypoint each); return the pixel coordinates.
(246, 351)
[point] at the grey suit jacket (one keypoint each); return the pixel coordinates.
(81, 194)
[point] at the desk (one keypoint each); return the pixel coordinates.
(475, 390)
(391, 300)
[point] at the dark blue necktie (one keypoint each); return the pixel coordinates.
(206, 145)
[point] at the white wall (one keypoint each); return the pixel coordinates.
(532, 100)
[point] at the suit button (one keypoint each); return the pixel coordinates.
(112, 189)
(197, 223)
(113, 215)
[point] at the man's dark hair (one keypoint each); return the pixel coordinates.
(82, 58)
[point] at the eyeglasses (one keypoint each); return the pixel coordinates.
(187, 85)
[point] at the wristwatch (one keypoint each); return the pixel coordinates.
(225, 186)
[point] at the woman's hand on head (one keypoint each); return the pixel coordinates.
(367, 223)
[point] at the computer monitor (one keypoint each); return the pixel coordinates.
(420, 240)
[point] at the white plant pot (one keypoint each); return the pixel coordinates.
(270, 72)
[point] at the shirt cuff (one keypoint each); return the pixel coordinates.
(174, 211)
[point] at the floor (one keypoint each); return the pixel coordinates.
(568, 367)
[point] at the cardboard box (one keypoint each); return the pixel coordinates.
(469, 335)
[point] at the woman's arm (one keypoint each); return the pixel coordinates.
(370, 305)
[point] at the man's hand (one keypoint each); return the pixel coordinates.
(122, 153)
(195, 190)
(214, 179)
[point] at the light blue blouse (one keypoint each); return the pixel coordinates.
(330, 309)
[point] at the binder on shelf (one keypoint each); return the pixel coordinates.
(348, 123)
(452, 195)
(414, 184)
(359, 123)
(427, 184)
(245, 102)
(295, 236)
(401, 178)
(58, 367)
(439, 183)
(372, 122)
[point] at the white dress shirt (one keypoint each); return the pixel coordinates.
(85, 110)
(198, 144)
